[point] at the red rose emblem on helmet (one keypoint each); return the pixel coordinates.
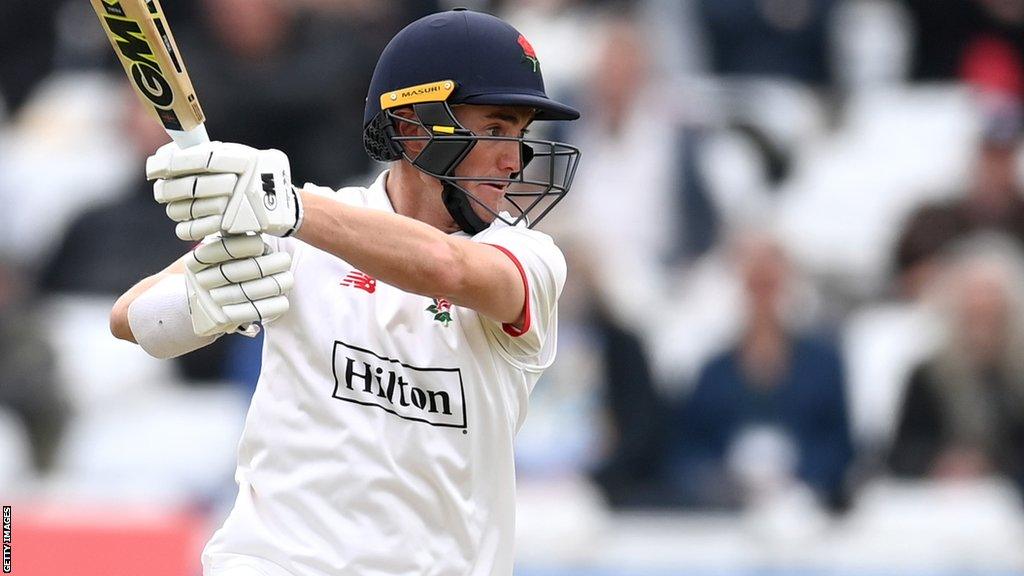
(528, 54)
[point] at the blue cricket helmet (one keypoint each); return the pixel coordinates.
(487, 59)
(466, 57)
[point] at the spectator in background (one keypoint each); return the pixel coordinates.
(963, 411)
(917, 259)
(640, 162)
(28, 381)
(994, 200)
(597, 411)
(780, 38)
(779, 392)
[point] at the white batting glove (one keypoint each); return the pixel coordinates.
(236, 281)
(225, 187)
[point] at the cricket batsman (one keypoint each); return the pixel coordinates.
(411, 318)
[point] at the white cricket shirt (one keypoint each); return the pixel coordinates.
(379, 438)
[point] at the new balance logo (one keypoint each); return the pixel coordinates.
(357, 279)
(269, 192)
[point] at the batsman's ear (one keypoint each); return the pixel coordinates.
(406, 125)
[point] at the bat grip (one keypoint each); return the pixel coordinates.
(189, 138)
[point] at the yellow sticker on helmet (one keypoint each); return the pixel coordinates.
(433, 92)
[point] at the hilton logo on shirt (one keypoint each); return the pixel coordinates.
(434, 396)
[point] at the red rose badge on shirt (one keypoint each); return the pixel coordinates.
(441, 309)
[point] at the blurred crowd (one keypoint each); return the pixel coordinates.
(795, 240)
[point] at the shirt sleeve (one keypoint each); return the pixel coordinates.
(542, 269)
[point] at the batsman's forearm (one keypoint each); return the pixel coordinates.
(399, 251)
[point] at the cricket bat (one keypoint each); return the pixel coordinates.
(142, 40)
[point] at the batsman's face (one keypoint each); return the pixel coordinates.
(492, 158)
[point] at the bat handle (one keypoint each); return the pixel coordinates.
(189, 138)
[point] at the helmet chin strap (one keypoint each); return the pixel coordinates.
(461, 209)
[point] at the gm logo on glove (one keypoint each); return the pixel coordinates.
(269, 192)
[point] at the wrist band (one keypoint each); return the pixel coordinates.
(299, 213)
(160, 320)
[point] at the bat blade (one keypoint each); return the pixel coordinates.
(142, 40)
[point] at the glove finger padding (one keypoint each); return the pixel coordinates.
(257, 311)
(208, 318)
(226, 248)
(157, 165)
(186, 210)
(170, 161)
(269, 287)
(196, 230)
(224, 296)
(256, 183)
(238, 271)
(202, 186)
(232, 157)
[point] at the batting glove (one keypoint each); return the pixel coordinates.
(225, 187)
(235, 281)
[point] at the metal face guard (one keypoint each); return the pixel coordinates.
(548, 167)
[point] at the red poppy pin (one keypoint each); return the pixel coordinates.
(528, 54)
